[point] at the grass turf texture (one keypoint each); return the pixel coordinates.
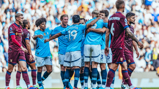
(62, 88)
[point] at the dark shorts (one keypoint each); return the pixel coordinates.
(27, 56)
(129, 57)
(118, 56)
(16, 56)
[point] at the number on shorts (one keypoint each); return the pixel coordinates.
(73, 34)
(112, 29)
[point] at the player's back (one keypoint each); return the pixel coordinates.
(25, 36)
(16, 30)
(62, 40)
(94, 38)
(117, 24)
(75, 35)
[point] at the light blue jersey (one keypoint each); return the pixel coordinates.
(103, 38)
(62, 40)
(42, 49)
(75, 35)
(94, 38)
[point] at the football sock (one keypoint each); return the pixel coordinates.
(77, 75)
(26, 77)
(8, 76)
(33, 75)
(62, 77)
(86, 73)
(126, 77)
(67, 77)
(110, 77)
(94, 77)
(104, 76)
(39, 79)
(46, 74)
(18, 75)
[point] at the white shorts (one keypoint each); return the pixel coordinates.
(72, 59)
(42, 61)
(109, 57)
(92, 53)
(61, 58)
(103, 57)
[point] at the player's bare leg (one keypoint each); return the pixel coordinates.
(48, 72)
(8, 75)
(24, 72)
(86, 74)
(33, 73)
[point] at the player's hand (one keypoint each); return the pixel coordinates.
(46, 40)
(24, 49)
(106, 51)
(31, 57)
(137, 53)
(140, 45)
(40, 36)
(88, 30)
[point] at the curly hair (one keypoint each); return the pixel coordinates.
(39, 21)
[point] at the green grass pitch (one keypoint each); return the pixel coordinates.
(114, 88)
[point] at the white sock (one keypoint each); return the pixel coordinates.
(94, 86)
(18, 86)
(131, 86)
(107, 88)
(28, 86)
(7, 87)
(103, 86)
(85, 84)
(99, 85)
(112, 85)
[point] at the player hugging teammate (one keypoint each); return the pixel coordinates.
(82, 46)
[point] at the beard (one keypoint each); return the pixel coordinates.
(28, 27)
(132, 22)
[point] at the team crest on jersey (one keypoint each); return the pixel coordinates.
(44, 34)
(121, 59)
(129, 60)
(10, 60)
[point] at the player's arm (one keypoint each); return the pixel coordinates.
(93, 22)
(53, 37)
(17, 43)
(35, 37)
(136, 49)
(132, 36)
(99, 30)
(107, 42)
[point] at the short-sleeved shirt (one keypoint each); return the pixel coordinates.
(103, 38)
(26, 36)
(94, 38)
(75, 35)
(62, 40)
(42, 49)
(117, 24)
(16, 30)
(129, 41)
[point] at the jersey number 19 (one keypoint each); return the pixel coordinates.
(72, 34)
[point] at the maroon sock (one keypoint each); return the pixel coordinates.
(126, 77)
(8, 76)
(110, 77)
(33, 74)
(18, 75)
(25, 77)
(130, 71)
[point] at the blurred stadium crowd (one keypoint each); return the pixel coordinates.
(146, 26)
